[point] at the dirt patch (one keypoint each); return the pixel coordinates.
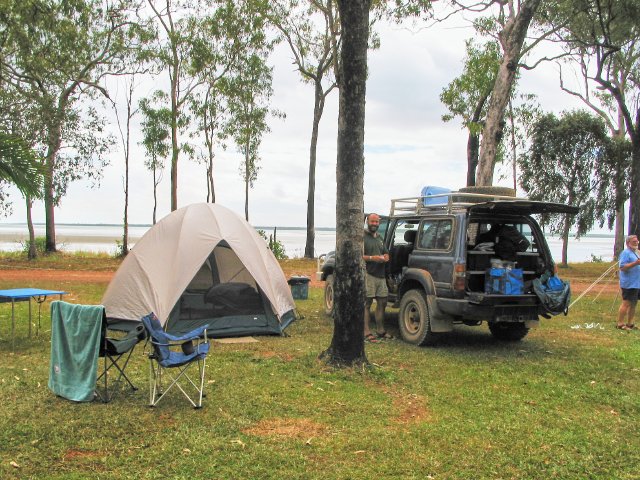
(79, 454)
(85, 276)
(410, 408)
(285, 357)
(300, 428)
(290, 268)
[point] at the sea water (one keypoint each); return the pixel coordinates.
(105, 238)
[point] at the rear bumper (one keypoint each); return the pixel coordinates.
(496, 308)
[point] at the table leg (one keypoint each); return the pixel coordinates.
(13, 324)
(29, 317)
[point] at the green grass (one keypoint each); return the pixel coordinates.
(563, 403)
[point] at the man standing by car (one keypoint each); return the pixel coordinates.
(375, 257)
(629, 283)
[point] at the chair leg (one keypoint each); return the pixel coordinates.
(105, 397)
(175, 379)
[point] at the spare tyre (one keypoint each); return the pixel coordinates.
(490, 190)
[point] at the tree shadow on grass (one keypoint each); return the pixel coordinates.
(476, 339)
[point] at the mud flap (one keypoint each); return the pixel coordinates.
(440, 322)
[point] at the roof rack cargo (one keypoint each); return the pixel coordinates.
(445, 202)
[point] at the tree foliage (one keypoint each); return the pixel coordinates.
(248, 100)
(602, 38)
(53, 54)
(468, 94)
(311, 28)
(156, 138)
(19, 165)
(560, 167)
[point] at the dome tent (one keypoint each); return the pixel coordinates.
(202, 264)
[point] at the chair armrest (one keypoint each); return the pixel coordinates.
(192, 335)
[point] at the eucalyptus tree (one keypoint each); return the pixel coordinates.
(198, 42)
(248, 101)
(211, 114)
(156, 136)
(347, 343)
(560, 167)
(602, 38)
(467, 96)
(125, 137)
(56, 53)
(311, 29)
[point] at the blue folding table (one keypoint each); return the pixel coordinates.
(25, 295)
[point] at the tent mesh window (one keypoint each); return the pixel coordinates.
(222, 287)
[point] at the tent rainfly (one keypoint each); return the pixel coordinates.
(202, 264)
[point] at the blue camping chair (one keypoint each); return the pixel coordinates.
(175, 352)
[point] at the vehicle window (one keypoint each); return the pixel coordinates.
(481, 232)
(400, 236)
(436, 234)
(384, 224)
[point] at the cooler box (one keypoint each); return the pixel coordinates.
(431, 190)
(299, 287)
(504, 281)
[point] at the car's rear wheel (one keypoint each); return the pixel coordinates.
(414, 320)
(328, 295)
(508, 332)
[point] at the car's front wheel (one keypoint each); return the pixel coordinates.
(328, 295)
(508, 332)
(414, 320)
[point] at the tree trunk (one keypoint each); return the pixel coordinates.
(565, 240)
(33, 251)
(347, 344)
(54, 140)
(155, 193)
(246, 185)
(618, 244)
(512, 38)
(309, 249)
(125, 220)
(174, 134)
(473, 143)
(634, 197)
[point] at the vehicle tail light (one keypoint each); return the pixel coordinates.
(459, 276)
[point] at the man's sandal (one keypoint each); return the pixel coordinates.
(384, 336)
(622, 327)
(371, 338)
(631, 326)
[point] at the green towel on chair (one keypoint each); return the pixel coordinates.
(75, 342)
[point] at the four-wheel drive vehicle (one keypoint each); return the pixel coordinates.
(442, 248)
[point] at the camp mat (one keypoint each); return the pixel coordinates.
(236, 340)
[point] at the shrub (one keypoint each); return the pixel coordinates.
(274, 245)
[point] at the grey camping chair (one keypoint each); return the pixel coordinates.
(178, 353)
(116, 353)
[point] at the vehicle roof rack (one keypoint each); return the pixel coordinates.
(444, 202)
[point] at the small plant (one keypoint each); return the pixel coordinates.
(274, 245)
(596, 259)
(40, 243)
(120, 252)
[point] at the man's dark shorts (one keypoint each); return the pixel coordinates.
(630, 294)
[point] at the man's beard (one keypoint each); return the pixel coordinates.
(373, 228)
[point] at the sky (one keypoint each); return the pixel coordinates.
(407, 146)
